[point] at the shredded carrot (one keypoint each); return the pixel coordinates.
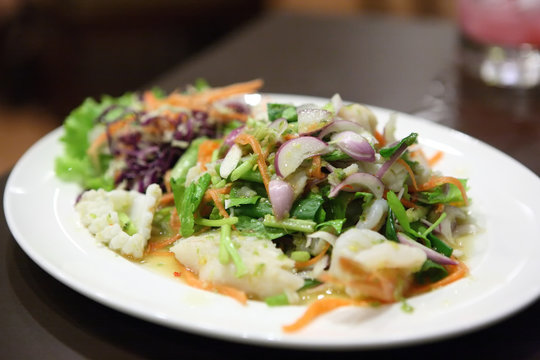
(440, 180)
(206, 149)
(214, 195)
(456, 272)
(112, 129)
(313, 260)
(174, 220)
(435, 158)
(409, 170)
(224, 190)
(157, 245)
(316, 167)
(244, 139)
(228, 116)
(316, 309)
(166, 199)
(167, 181)
(201, 100)
(150, 100)
(192, 280)
(380, 138)
(218, 93)
(439, 208)
(290, 136)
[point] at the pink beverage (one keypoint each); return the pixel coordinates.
(507, 23)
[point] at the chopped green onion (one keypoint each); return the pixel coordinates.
(243, 168)
(218, 222)
(306, 226)
(300, 256)
(227, 244)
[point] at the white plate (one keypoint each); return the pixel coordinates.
(503, 261)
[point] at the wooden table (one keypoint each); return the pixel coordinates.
(406, 65)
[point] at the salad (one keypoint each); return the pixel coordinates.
(282, 203)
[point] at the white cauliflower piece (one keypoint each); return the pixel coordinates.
(372, 266)
(101, 211)
(269, 271)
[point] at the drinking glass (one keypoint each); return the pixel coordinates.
(502, 41)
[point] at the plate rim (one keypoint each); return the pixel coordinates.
(288, 342)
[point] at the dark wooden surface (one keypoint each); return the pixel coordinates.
(407, 65)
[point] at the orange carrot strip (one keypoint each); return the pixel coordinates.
(456, 272)
(174, 220)
(313, 260)
(206, 150)
(316, 167)
(214, 94)
(192, 280)
(228, 116)
(316, 309)
(290, 136)
(224, 190)
(380, 138)
(244, 139)
(439, 180)
(166, 199)
(154, 246)
(219, 204)
(409, 170)
(435, 158)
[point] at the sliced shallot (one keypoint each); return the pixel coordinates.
(354, 145)
(293, 152)
(357, 182)
(281, 196)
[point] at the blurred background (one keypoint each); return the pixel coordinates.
(54, 53)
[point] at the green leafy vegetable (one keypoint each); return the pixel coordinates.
(227, 246)
(187, 205)
(286, 111)
(307, 208)
(250, 226)
(445, 194)
(408, 141)
(430, 273)
(306, 226)
(75, 165)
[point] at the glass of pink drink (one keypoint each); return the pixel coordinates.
(505, 36)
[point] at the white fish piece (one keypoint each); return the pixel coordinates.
(373, 251)
(99, 212)
(377, 266)
(269, 271)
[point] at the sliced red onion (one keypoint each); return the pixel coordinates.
(357, 182)
(311, 120)
(431, 254)
(384, 168)
(342, 125)
(281, 196)
(293, 152)
(354, 145)
(231, 160)
(229, 139)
